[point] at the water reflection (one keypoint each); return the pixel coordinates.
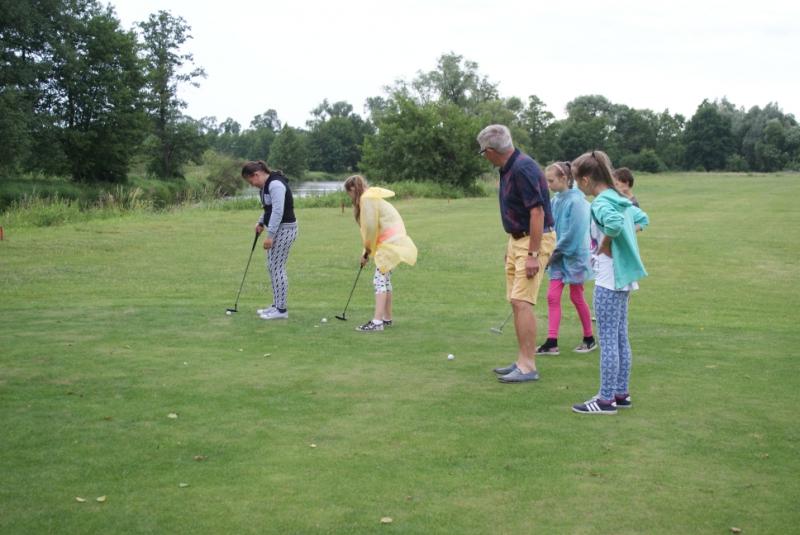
(302, 189)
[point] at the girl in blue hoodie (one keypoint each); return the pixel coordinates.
(617, 267)
(569, 263)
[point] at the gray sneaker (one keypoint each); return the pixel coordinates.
(506, 369)
(518, 377)
(269, 309)
(274, 314)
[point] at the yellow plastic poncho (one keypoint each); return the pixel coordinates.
(383, 232)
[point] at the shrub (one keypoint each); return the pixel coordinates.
(736, 163)
(647, 160)
(224, 173)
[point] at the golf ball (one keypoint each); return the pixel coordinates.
(228, 312)
(324, 320)
(450, 356)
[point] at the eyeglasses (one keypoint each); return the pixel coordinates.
(482, 151)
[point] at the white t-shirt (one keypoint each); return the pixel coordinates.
(603, 265)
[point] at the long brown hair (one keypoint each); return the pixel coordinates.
(596, 165)
(358, 184)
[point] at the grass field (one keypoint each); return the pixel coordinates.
(110, 326)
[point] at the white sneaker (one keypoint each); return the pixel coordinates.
(267, 310)
(274, 314)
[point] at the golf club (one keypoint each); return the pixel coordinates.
(499, 330)
(236, 304)
(343, 317)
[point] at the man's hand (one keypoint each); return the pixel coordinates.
(268, 243)
(532, 267)
(259, 228)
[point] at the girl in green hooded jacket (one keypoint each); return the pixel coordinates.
(617, 267)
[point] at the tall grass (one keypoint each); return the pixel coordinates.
(40, 211)
(149, 195)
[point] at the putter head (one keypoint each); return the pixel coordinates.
(342, 317)
(496, 330)
(231, 309)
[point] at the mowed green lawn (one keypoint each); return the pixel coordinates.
(108, 327)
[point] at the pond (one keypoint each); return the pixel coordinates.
(302, 189)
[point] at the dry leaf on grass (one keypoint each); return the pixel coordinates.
(100, 499)
(386, 520)
(172, 415)
(200, 457)
(80, 500)
(183, 485)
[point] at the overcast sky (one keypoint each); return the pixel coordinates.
(292, 54)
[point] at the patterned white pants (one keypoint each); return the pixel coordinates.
(382, 281)
(276, 262)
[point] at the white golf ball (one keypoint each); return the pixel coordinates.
(324, 320)
(450, 356)
(228, 312)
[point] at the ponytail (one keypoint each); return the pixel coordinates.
(562, 169)
(596, 165)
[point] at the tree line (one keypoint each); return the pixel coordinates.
(81, 96)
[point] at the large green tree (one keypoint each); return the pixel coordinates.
(455, 81)
(426, 128)
(289, 153)
(335, 137)
(71, 89)
(163, 36)
(98, 101)
(769, 138)
(709, 139)
(24, 65)
(432, 141)
(536, 120)
(670, 145)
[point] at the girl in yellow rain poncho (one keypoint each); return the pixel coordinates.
(384, 236)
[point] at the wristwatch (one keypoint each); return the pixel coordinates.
(534, 254)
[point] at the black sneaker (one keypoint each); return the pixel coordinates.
(370, 327)
(623, 402)
(595, 406)
(544, 349)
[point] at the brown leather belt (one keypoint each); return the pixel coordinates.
(520, 235)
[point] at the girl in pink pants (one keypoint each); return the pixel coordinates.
(569, 263)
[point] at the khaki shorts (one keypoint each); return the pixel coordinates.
(518, 285)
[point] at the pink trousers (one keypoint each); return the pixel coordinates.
(554, 307)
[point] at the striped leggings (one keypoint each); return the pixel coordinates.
(611, 309)
(276, 262)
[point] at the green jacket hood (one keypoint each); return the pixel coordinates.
(612, 197)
